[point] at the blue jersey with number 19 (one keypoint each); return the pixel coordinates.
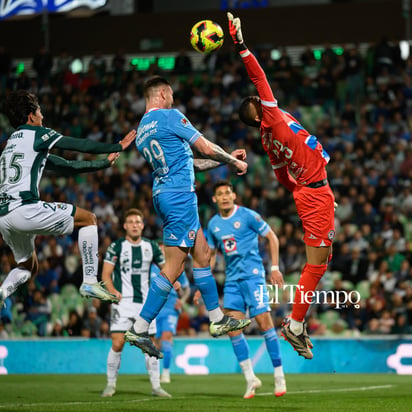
(163, 138)
(236, 236)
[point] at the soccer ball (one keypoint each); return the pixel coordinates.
(206, 36)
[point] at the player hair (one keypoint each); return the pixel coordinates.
(152, 83)
(133, 212)
(245, 111)
(18, 105)
(221, 183)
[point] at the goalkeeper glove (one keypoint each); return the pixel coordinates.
(236, 32)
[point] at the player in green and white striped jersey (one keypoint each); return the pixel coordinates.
(126, 273)
(23, 215)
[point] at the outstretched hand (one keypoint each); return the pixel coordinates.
(239, 154)
(113, 157)
(128, 139)
(235, 29)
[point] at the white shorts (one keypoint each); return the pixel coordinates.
(124, 314)
(20, 226)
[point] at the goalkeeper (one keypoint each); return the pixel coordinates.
(298, 161)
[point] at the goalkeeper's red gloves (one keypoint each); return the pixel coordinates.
(236, 32)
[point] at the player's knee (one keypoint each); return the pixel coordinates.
(167, 336)
(117, 346)
(265, 322)
(204, 259)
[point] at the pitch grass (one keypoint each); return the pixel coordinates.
(320, 392)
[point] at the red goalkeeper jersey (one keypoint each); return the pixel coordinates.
(291, 149)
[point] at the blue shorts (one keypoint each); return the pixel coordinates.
(246, 294)
(167, 323)
(180, 217)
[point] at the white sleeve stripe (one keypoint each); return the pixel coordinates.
(266, 231)
(270, 104)
(54, 142)
(195, 137)
(245, 53)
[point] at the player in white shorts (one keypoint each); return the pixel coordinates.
(23, 215)
(126, 273)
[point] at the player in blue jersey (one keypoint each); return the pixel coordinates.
(166, 320)
(165, 137)
(235, 231)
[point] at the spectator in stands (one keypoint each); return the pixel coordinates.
(91, 324)
(42, 64)
(74, 324)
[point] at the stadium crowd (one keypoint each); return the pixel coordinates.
(358, 104)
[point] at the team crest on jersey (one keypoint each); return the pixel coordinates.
(236, 225)
(184, 121)
(331, 235)
(61, 206)
(192, 234)
(229, 244)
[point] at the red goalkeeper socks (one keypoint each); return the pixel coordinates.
(309, 279)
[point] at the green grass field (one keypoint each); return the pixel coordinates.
(215, 393)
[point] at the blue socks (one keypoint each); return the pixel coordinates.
(240, 347)
(206, 283)
(167, 350)
(272, 344)
(156, 298)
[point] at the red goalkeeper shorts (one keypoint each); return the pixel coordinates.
(316, 210)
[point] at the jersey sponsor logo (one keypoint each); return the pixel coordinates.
(229, 245)
(237, 224)
(89, 270)
(45, 137)
(61, 206)
(16, 135)
(146, 131)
